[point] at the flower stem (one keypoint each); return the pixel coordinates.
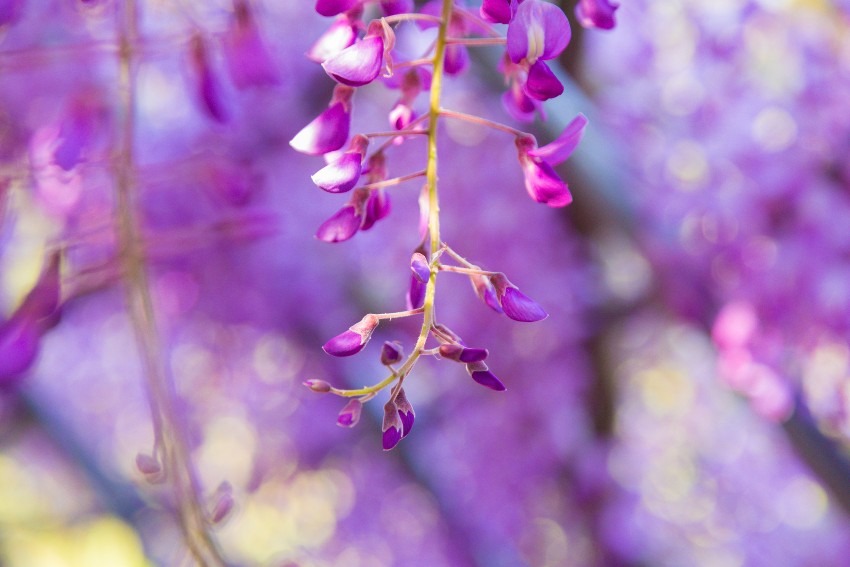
(473, 41)
(481, 122)
(393, 181)
(433, 215)
(169, 442)
(468, 271)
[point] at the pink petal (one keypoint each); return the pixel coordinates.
(563, 146)
(327, 133)
(357, 64)
(596, 14)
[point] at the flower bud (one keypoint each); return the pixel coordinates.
(392, 426)
(334, 7)
(319, 386)
(516, 304)
(342, 226)
(405, 412)
(391, 353)
(460, 353)
(350, 414)
(354, 339)
(596, 14)
(419, 266)
(481, 374)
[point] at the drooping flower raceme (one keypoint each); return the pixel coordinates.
(537, 32)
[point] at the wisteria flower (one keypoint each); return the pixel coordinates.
(596, 14)
(341, 34)
(342, 174)
(514, 303)
(541, 181)
(539, 31)
(460, 353)
(498, 11)
(481, 374)
(350, 414)
(354, 339)
(329, 131)
(392, 426)
(360, 63)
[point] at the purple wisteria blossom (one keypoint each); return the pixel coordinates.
(481, 374)
(354, 339)
(392, 427)
(335, 7)
(515, 304)
(596, 13)
(329, 131)
(538, 32)
(541, 181)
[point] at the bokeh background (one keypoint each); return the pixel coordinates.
(685, 404)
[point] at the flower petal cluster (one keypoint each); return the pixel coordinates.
(541, 181)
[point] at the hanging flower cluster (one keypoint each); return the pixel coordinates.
(356, 51)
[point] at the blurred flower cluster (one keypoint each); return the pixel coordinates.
(164, 292)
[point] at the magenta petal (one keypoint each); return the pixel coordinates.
(497, 11)
(340, 35)
(378, 206)
(340, 176)
(520, 307)
(456, 59)
(19, 341)
(341, 226)
(544, 185)
(473, 354)
(596, 14)
(518, 104)
(327, 133)
(542, 84)
(357, 64)
(334, 7)
(350, 414)
(560, 149)
(249, 62)
(539, 30)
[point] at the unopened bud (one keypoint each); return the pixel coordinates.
(354, 339)
(350, 414)
(223, 503)
(391, 353)
(481, 374)
(319, 386)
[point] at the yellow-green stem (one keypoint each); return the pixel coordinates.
(168, 438)
(433, 211)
